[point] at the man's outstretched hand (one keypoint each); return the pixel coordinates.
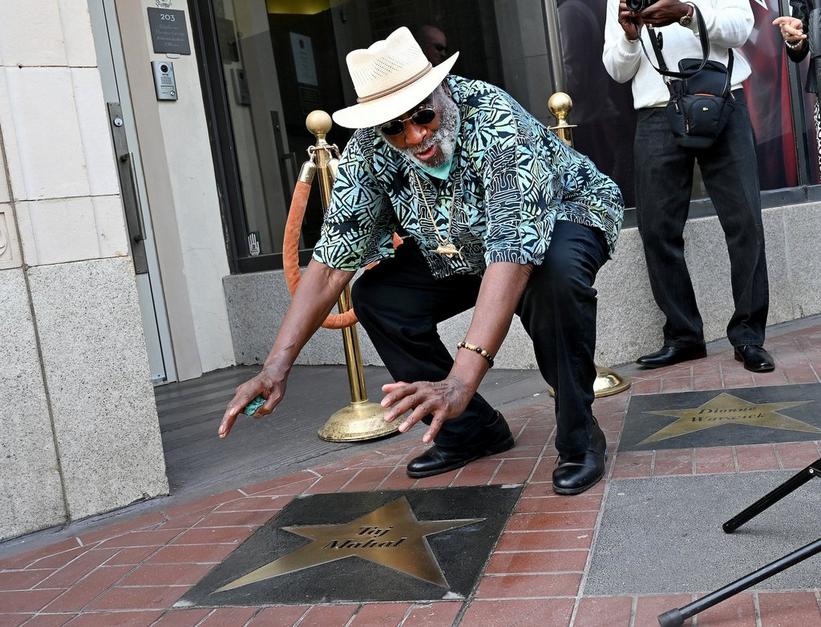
(268, 384)
(443, 400)
(792, 29)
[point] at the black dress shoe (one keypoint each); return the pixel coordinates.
(576, 473)
(755, 358)
(669, 355)
(437, 460)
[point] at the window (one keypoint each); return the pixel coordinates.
(265, 64)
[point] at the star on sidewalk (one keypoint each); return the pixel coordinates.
(726, 409)
(390, 535)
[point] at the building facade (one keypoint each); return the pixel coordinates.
(148, 149)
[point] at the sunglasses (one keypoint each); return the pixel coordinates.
(419, 117)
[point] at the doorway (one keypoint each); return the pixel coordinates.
(136, 209)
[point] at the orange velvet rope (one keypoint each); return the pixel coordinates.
(290, 253)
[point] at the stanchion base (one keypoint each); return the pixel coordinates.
(358, 422)
(608, 382)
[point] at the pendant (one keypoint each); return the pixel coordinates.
(448, 250)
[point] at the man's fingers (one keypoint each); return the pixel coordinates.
(390, 387)
(434, 427)
(420, 412)
(268, 406)
(403, 405)
(395, 392)
(235, 407)
(790, 26)
(228, 421)
(792, 21)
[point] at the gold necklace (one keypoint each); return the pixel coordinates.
(445, 247)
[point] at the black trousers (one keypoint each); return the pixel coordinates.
(664, 178)
(399, 304)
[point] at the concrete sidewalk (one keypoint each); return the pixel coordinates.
(132, 568)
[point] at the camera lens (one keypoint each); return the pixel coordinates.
(636, 5)
(164, 67)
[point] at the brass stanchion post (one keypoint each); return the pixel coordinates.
(361, 419)
(608, 381)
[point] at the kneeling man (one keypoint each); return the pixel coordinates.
(497, 214)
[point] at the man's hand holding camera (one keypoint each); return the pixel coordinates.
(634, 13)
(666, 12)
(629, 21)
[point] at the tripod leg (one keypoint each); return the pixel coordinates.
(677, 616)
(776, 495)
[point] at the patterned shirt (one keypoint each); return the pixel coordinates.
(511, 179)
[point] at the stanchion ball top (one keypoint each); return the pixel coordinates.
(560, 104)
(318, 122)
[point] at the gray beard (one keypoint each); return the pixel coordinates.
(444, 136)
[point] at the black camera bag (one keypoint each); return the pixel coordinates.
(701, 99)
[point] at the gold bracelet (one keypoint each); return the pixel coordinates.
(476, 349)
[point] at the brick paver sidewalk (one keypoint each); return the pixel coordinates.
(132, 573)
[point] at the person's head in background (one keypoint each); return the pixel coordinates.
(433, 41)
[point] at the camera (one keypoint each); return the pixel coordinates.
(639, 5)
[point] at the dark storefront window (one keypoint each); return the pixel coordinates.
(266, 64)
(606, 121)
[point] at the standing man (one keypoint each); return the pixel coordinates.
(664, 175)
(500, 215)
(433, 41)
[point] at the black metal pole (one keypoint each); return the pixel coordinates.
(773, 497)
(676, 617)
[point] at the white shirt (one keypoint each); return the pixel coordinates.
(729, 23)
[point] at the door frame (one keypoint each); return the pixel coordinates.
(114, 80)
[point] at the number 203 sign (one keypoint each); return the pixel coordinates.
(169, 31)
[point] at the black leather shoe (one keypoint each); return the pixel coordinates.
(576, 473)
(755, 358)
(437, 460)
(669, 355)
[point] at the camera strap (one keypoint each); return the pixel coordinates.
(657, 42)
(700, 97)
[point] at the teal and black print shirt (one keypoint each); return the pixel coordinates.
(511, 179)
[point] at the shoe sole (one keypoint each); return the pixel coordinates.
(503, 446)
(572, 491)
(741, 359)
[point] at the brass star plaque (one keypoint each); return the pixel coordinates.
(723, 418)
(726, 409)
(414, 545)
(390, 535)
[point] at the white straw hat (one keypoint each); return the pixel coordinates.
(390, 77)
